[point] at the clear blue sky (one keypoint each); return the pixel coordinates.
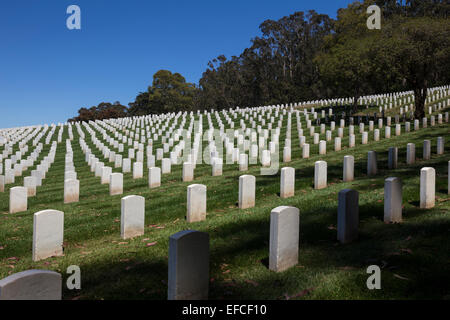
(48, 72)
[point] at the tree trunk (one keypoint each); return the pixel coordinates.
(420, 95)
(355, 104)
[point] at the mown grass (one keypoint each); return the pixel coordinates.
(414, 255)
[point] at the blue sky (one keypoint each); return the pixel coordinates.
(48, 72)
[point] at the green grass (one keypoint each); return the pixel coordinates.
(414, 254)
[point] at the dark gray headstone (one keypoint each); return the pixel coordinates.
(348, 215)
(188, 266)
(426, 149)
(372, 168)
(392, 157)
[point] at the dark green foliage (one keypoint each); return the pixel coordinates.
(104, 110)
(169, 93)
(277, 68)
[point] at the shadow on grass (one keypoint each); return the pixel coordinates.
(341, 267)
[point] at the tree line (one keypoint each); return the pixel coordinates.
(309, 56)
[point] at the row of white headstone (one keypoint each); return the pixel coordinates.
(159, 155)
(18, 199)
(188, 274)
(19, 195)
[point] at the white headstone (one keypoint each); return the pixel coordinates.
(132, 217)
(287, 183)
(188, 172)
(18, 199)
(349, 168)
(154, 177)
(166, 166)
(247, 187)
(196, 203)
(284, 238)
(116, 184)
(427, 187)
(71, 191)
(30, 184)
(48, 234)
(320, 175)
(392, 200)
(106, 175)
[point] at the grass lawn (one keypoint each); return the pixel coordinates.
(414, 255)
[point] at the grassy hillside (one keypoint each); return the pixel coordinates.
(414, 255)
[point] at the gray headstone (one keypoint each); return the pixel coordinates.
(188, 266)
(349, 168)
(32, 285)
(348, 215)
(426, 149)
(393, 200)
(392, 157)
(410, 153)
(372, 168)
(440, 145)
